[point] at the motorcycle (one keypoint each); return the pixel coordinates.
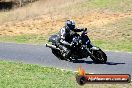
(78, 49)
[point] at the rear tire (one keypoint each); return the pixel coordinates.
(99, 57)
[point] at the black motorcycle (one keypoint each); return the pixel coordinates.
(78, 50)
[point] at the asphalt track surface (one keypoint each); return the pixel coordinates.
(118, 62)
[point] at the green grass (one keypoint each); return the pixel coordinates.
(122, 41)
(123, 27)
(111, 5)
(85, 6)
(104, 44)
(18, 75)
(30, 39)
(114, 46)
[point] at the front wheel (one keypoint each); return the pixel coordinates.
(98, 56)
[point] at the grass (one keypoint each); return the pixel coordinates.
(105, 45)
(30, 39)
(19, 75)
(114, 46)
(99, 5)
(65, 8)
(111, 5)
(35, 9)
(116, 36)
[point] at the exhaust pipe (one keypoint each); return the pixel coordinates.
(52, 46)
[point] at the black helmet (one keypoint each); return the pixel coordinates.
(70, 24)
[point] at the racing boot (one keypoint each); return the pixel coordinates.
(66, 53)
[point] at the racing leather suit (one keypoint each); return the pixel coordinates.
(66, 39)
(66, 36)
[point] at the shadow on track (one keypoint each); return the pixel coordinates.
(113, 63)
(91, 62)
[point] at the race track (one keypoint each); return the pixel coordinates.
(118, 62)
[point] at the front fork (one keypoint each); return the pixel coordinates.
(91, 50)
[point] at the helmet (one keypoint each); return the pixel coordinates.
(70, 24)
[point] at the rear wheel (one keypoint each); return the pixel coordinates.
(99, 57)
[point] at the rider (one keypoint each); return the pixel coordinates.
(66, 36)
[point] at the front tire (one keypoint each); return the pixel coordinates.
(99, 57)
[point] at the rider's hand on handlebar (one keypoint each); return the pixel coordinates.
(85, 31)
